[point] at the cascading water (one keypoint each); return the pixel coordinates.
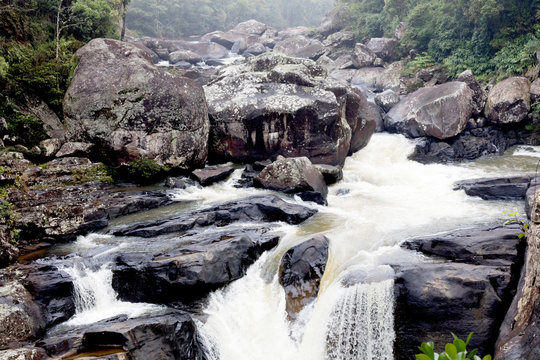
(383, 199)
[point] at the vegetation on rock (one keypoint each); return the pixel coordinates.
(457, 350)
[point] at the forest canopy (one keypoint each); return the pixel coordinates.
(177, 18)
(488, 36)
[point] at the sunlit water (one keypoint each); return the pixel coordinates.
(383, 199)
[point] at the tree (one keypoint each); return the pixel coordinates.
(123, 18)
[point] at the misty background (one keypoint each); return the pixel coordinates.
(181, 18)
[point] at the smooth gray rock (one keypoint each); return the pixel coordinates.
(121, 101)
(75, 149)
(251, 27)
(535, 91)
(507, 188)
(440, 111)
(300, 46)
(385, 48)
(184, 55)
(210, 175)
(509, 101)
(479, 95)
(387, 100)
(294, 176)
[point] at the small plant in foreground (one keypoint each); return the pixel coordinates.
(515, 219)
(457, 350)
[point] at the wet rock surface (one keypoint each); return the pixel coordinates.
(294, 176)
(471, 281)
(509, 101)
(169, 336)
(508, 188)
(281, 106)
(300, 273)
(266, 208)
(200, 263)
(210, 175)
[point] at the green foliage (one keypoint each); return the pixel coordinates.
(457, 350)
(28, 128)
(145, 171)
(93, 18)
(492, 38)
(421, 61)
(4, 67)
(515, 219)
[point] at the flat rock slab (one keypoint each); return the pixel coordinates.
(506, 188)
(253, 209)
(200, 263)
(491, 245)
(169, 336)
(210, 175)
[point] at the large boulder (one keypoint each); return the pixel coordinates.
(363, 56)
(506, 188)
(119, 100)
(294, 176)
(251, 27)
(379, 78)
(300, 273)
(335, 20)
(535, 90)
(273, 105)
(466, 286)
(300, 46)
(184, 55)
(509, 101)
(440, 111)
(194, 265)
(385, 48)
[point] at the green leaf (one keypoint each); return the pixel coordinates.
(460, 345)
(423, 357)
(472, 354)
(507, 222)
(427, 348)
(487, 357)
(520, 236)
(451, 351)
(469, 338)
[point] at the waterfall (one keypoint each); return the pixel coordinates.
(362, 325)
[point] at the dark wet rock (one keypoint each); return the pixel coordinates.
(200, 263)
(210, 175)
(471, 281)
(509, 101)
(253, 209)
(169, 336)
(441, 111)
(20, 318)
(479, 95)
(52, 291)
(247, 178)
(294, 176)
(184, 55)
(469, 145)
(362, 119)
(300, 46)
(300, 273)
(226, 39)
(463, 297)
(519, 336)
(385, 48)
(281, 106)
(507, 188)
(75, 149)
(387, 100)
(175, 183)
(489, 245)
(331, 174)
(530, 196)
(132, 109)
(8, 251)
(363, 56)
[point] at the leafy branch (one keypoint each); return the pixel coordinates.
(515, 219)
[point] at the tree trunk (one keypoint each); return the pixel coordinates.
(58, 28)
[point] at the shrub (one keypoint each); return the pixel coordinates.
(146, 171)
(457, 350)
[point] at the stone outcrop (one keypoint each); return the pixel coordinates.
(294, 176)
(121, 102)
(276, 105)
(300, 273)
(467, 287)
(507, 188)
(509, 101)
(479, 95)
(193, 266)
(519, 337)
(210, 175)
(385, 48)
(441, 111)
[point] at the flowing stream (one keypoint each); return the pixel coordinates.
(383, 199)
